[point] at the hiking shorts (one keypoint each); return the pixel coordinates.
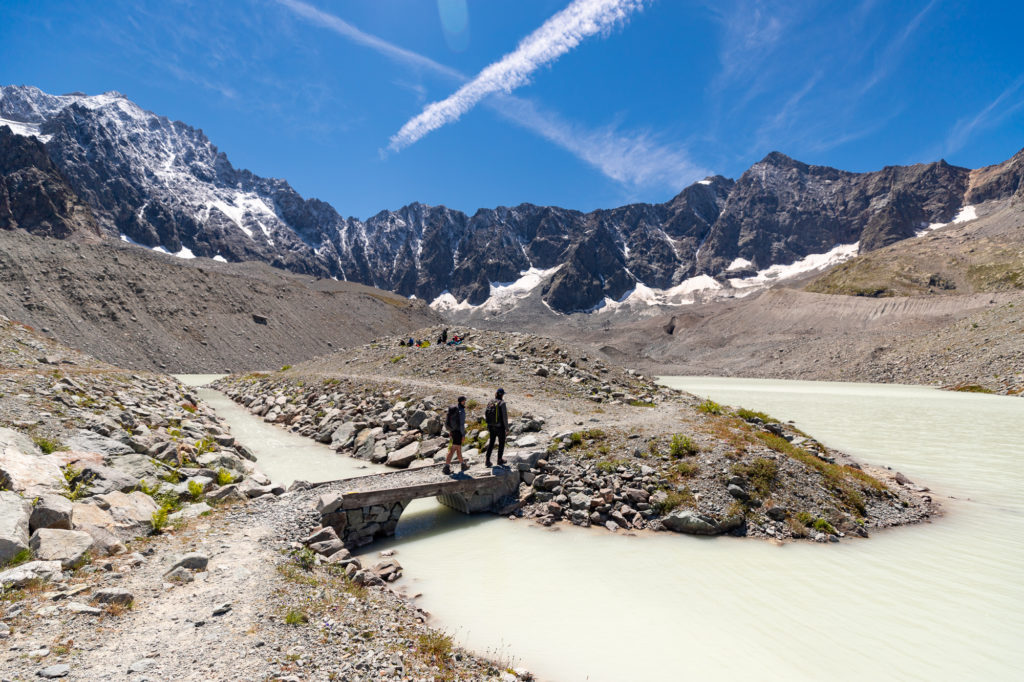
(457, 437)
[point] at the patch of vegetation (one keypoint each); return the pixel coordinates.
(159, 519)
(761, 473)
(304, 558)
(397, 358)
(224, 477)
(22, 557)
(47, 445)
(295, 617)
(285, 368)
(172, 476)
(472, 404)
(971, 388)
(642, 403)
(683, 446)
(683, 469)
(709, 406)
(806, 518)
(435, 649)
(823, 526)
(195, 490)
(836, 476)
(751, 415)
(75, 486)
(608, 466)
(682, 497)
(191, 408)
(205, 445)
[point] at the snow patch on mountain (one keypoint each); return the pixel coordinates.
(808, 264)
(24, 129)
(964, 215)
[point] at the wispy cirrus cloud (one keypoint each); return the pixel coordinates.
(558, 35)
(633, 158)
(992, 114)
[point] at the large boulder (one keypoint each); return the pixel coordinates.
(87, 441)
(51, 511)
(343, 435)
(30, 472)
(69, 547)
(83, 514)
(691, 522)
(19, 576)
(9, 438)
(103, 479)
(14, 518)
(400, 459)
(128, 510)
(135, 465)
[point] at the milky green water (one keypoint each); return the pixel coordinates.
(939, 601)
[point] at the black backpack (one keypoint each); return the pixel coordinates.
(491, 413)
(451, 420)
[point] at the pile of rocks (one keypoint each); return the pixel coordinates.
(382, 424)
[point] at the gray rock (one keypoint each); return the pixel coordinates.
(141, 665)
(14, 522)
(69, 547)
(190, 512)
(527, 442)
(137, 466)
(103, 479)
(113, 595)
(179, 575)
(400, 459)
(322, 535)
(52, 672)
(737, 492)
(777, 513)
(327, 547)
(78, 607)
(193, 561)
(87, 441)
(222, 609)
(51, 511)
(692, 523)
(105, 543)
(343, 435)
(19, 576)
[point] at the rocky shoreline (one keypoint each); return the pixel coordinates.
(600, 454)
(134, 532)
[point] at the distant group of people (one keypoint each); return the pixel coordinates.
(496, 417)
(441, 340)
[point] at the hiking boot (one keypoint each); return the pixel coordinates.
(465, 466)
(446, 470)
(501, 462)
(487, 463)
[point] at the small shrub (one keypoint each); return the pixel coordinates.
(224, 477)
(24, 556)
(684, 469)
(159, 519)
(148, 489)
(285, 368)
(806, 518)
(435, 649)
(295, 617)
(673, 500)
(709, 406)
(172, 476)
(397, 358)
(751, 415)
(75, 485)
(642, 403)
(683, 446)
(823, 526)
(608, 466)
(47, 445)
(189, 407)
(305, 558)
(972, 388)
(205, 445)
(195, 489)
(761, 473)
(575, 439)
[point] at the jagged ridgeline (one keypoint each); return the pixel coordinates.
(163, 184)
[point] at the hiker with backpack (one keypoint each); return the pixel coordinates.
(496, 416)
(455, 421)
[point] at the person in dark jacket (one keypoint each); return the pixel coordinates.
(455, 421)
(497, 426)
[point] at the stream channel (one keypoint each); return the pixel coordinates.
(938, 601)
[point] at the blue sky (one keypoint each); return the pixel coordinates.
(374, 104)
